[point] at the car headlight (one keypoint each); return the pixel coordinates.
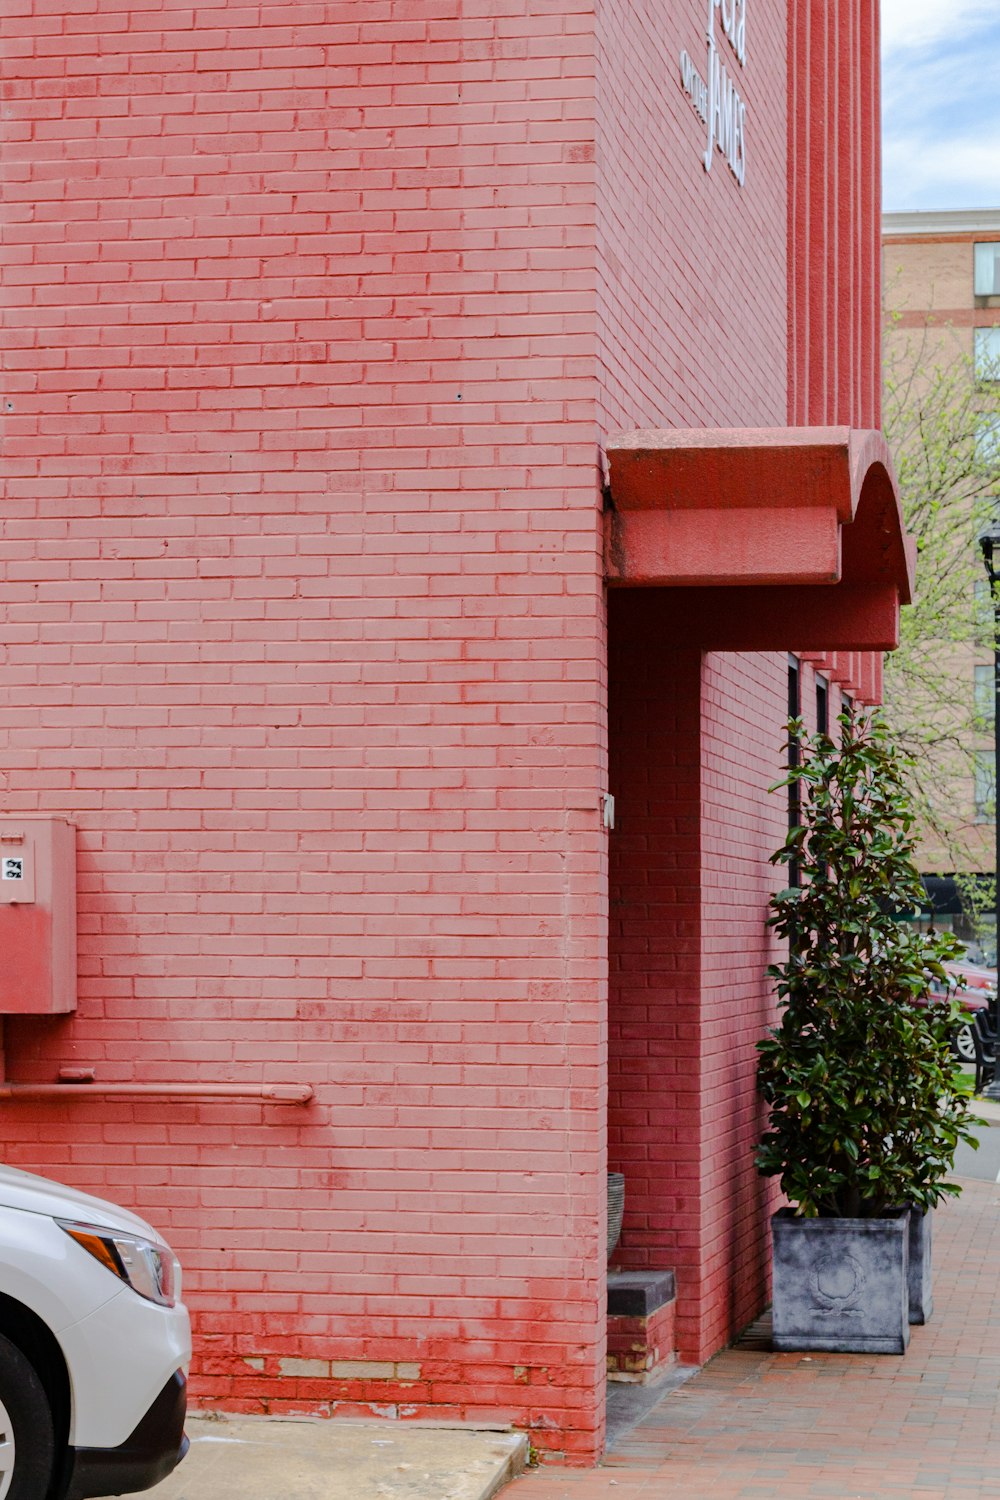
(150, 1269)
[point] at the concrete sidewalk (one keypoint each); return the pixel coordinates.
(751, 1425)
(274, 1459)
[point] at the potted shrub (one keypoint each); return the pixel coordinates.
(866, 1102)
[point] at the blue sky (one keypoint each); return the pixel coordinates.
(941, 104)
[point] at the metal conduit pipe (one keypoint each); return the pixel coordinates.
(269, 1093)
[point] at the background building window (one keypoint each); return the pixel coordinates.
(984, 789)
(988, 442)
(983, 697)
(986, 269)
(986, 352)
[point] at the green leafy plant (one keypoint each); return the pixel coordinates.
(866, 1106)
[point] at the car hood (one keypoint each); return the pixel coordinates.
(973, 975)
(39, 1195)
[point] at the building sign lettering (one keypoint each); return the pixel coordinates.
(714, 97)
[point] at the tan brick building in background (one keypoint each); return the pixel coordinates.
(941, 279)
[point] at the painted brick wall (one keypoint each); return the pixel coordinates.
(692, 325)
(744, 700)
(304, 629)
(834, 183)
(695, 331)
(316, 316)
(695, 742)
(655, 1055)
(692, 332)
(641, 1348)
(834, 213)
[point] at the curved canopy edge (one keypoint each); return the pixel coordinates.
(766, 509)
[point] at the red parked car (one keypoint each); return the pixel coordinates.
(976, 989)
(974, 976)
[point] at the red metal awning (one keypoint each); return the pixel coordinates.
(773, 538)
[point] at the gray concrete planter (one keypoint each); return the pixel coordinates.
(921, 1297)
(841, 1284)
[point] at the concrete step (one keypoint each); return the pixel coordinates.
(336, 1459)
(641, 1316)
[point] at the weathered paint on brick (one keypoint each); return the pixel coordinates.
(303, 587)
(639, 1346)
(315, 320)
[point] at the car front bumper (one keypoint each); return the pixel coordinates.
(148, 1454)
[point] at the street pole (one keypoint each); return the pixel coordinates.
(988, 541)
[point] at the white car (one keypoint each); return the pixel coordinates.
(94, 1346)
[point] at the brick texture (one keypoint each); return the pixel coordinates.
(638, 1347)
(689, 888)
(696, 740)
(758, 1424)
(302, 584)
(691, 329)
(834, 172)
(315, 320)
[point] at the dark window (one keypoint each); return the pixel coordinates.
(822, 705)
(794, 758)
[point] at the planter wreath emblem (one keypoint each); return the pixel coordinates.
(837, 1282)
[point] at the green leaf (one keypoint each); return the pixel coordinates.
(865, 1105)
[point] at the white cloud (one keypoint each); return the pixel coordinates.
(929, 173)
(909, 24)
(941, 104)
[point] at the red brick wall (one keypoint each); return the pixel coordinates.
(303, 597)
(691, 322)
(744, 700)
(695, 743)
(692, 332)
(655, 1051)
(834, 226)
(639, 1346)
(316, 318)
(835, 209)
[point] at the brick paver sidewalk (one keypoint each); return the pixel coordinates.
(834, 1426)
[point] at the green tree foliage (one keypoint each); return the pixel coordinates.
(866, 1102)
(937, 417)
